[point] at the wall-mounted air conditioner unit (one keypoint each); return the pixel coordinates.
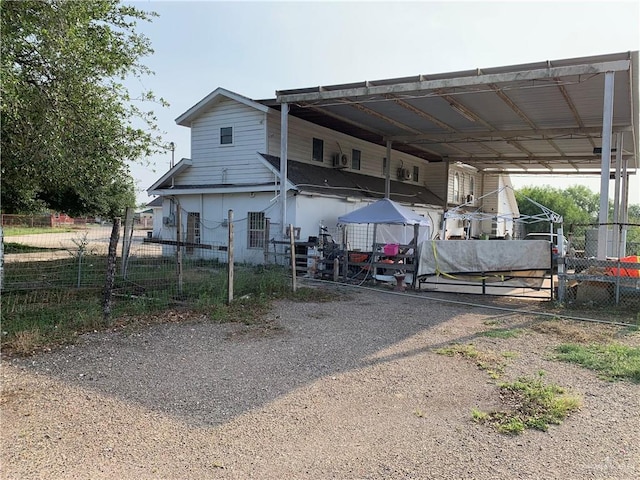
(470, 198)
(404, 174)
(340, 160)
(169, 221)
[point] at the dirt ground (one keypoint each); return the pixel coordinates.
(351, 389)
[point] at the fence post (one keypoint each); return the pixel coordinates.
(292, 244)
(111, 270)
(126, 240)
(345, 258)
(179, 249)
(230, 260)
(1, 257)
(267, 226)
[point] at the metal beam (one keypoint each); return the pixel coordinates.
(387, 119)
(498, 135)
(572, 107)
(458, 82)
(422, 113)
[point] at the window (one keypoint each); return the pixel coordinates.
(318, 150)
(255, 230)
(456, 187)
(416, 174)
(355, 159)
(384, 165)
(471, 186)
(226, 136)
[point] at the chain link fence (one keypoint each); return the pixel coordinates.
(612, 284)
(62, 275)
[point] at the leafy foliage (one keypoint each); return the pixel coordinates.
(69, 125)
(577, 205)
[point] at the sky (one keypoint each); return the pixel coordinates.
(256, 48)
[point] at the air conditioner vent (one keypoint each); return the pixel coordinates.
(404, 174)
(340, 160)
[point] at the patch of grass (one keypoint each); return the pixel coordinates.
(503, 333)
(530, 403)
(491, 322)
(15, 231)
(493, 363)
(574, 332)
(318, 295)
(47, 317)
(10, 247)
(612, 362)
(27, 341)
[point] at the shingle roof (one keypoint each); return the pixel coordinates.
(332, 181)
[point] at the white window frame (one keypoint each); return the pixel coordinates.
(232, 136)
(255, 242)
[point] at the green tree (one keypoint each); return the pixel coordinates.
(69, 125)
(578, 206)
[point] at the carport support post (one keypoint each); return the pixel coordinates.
(607, 122)
(387, 172)
(284, 134)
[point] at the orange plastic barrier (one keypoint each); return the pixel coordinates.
(626, 272)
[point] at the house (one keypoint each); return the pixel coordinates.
(235, 165)
(155, 206)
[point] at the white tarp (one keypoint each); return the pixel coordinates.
(401, 234)
(476, 256)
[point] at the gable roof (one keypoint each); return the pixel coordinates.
(332, 181)
(177, 168)
(213, 98)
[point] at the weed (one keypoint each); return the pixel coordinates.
(612, 362)
(492, 362)
(478, 415)
(27, 341)
(503, 333)
(491, 322)
(530, 404)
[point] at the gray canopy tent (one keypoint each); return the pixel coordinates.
(392, 224)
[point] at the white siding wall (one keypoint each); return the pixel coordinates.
(300, 148)
(466, 177)
(227, 164)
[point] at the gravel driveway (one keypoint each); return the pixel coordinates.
(350, 389)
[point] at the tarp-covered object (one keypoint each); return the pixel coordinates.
(483, 256)
(385, 211)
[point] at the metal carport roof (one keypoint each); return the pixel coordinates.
(544, 117)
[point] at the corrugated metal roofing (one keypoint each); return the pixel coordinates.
(540, 117)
